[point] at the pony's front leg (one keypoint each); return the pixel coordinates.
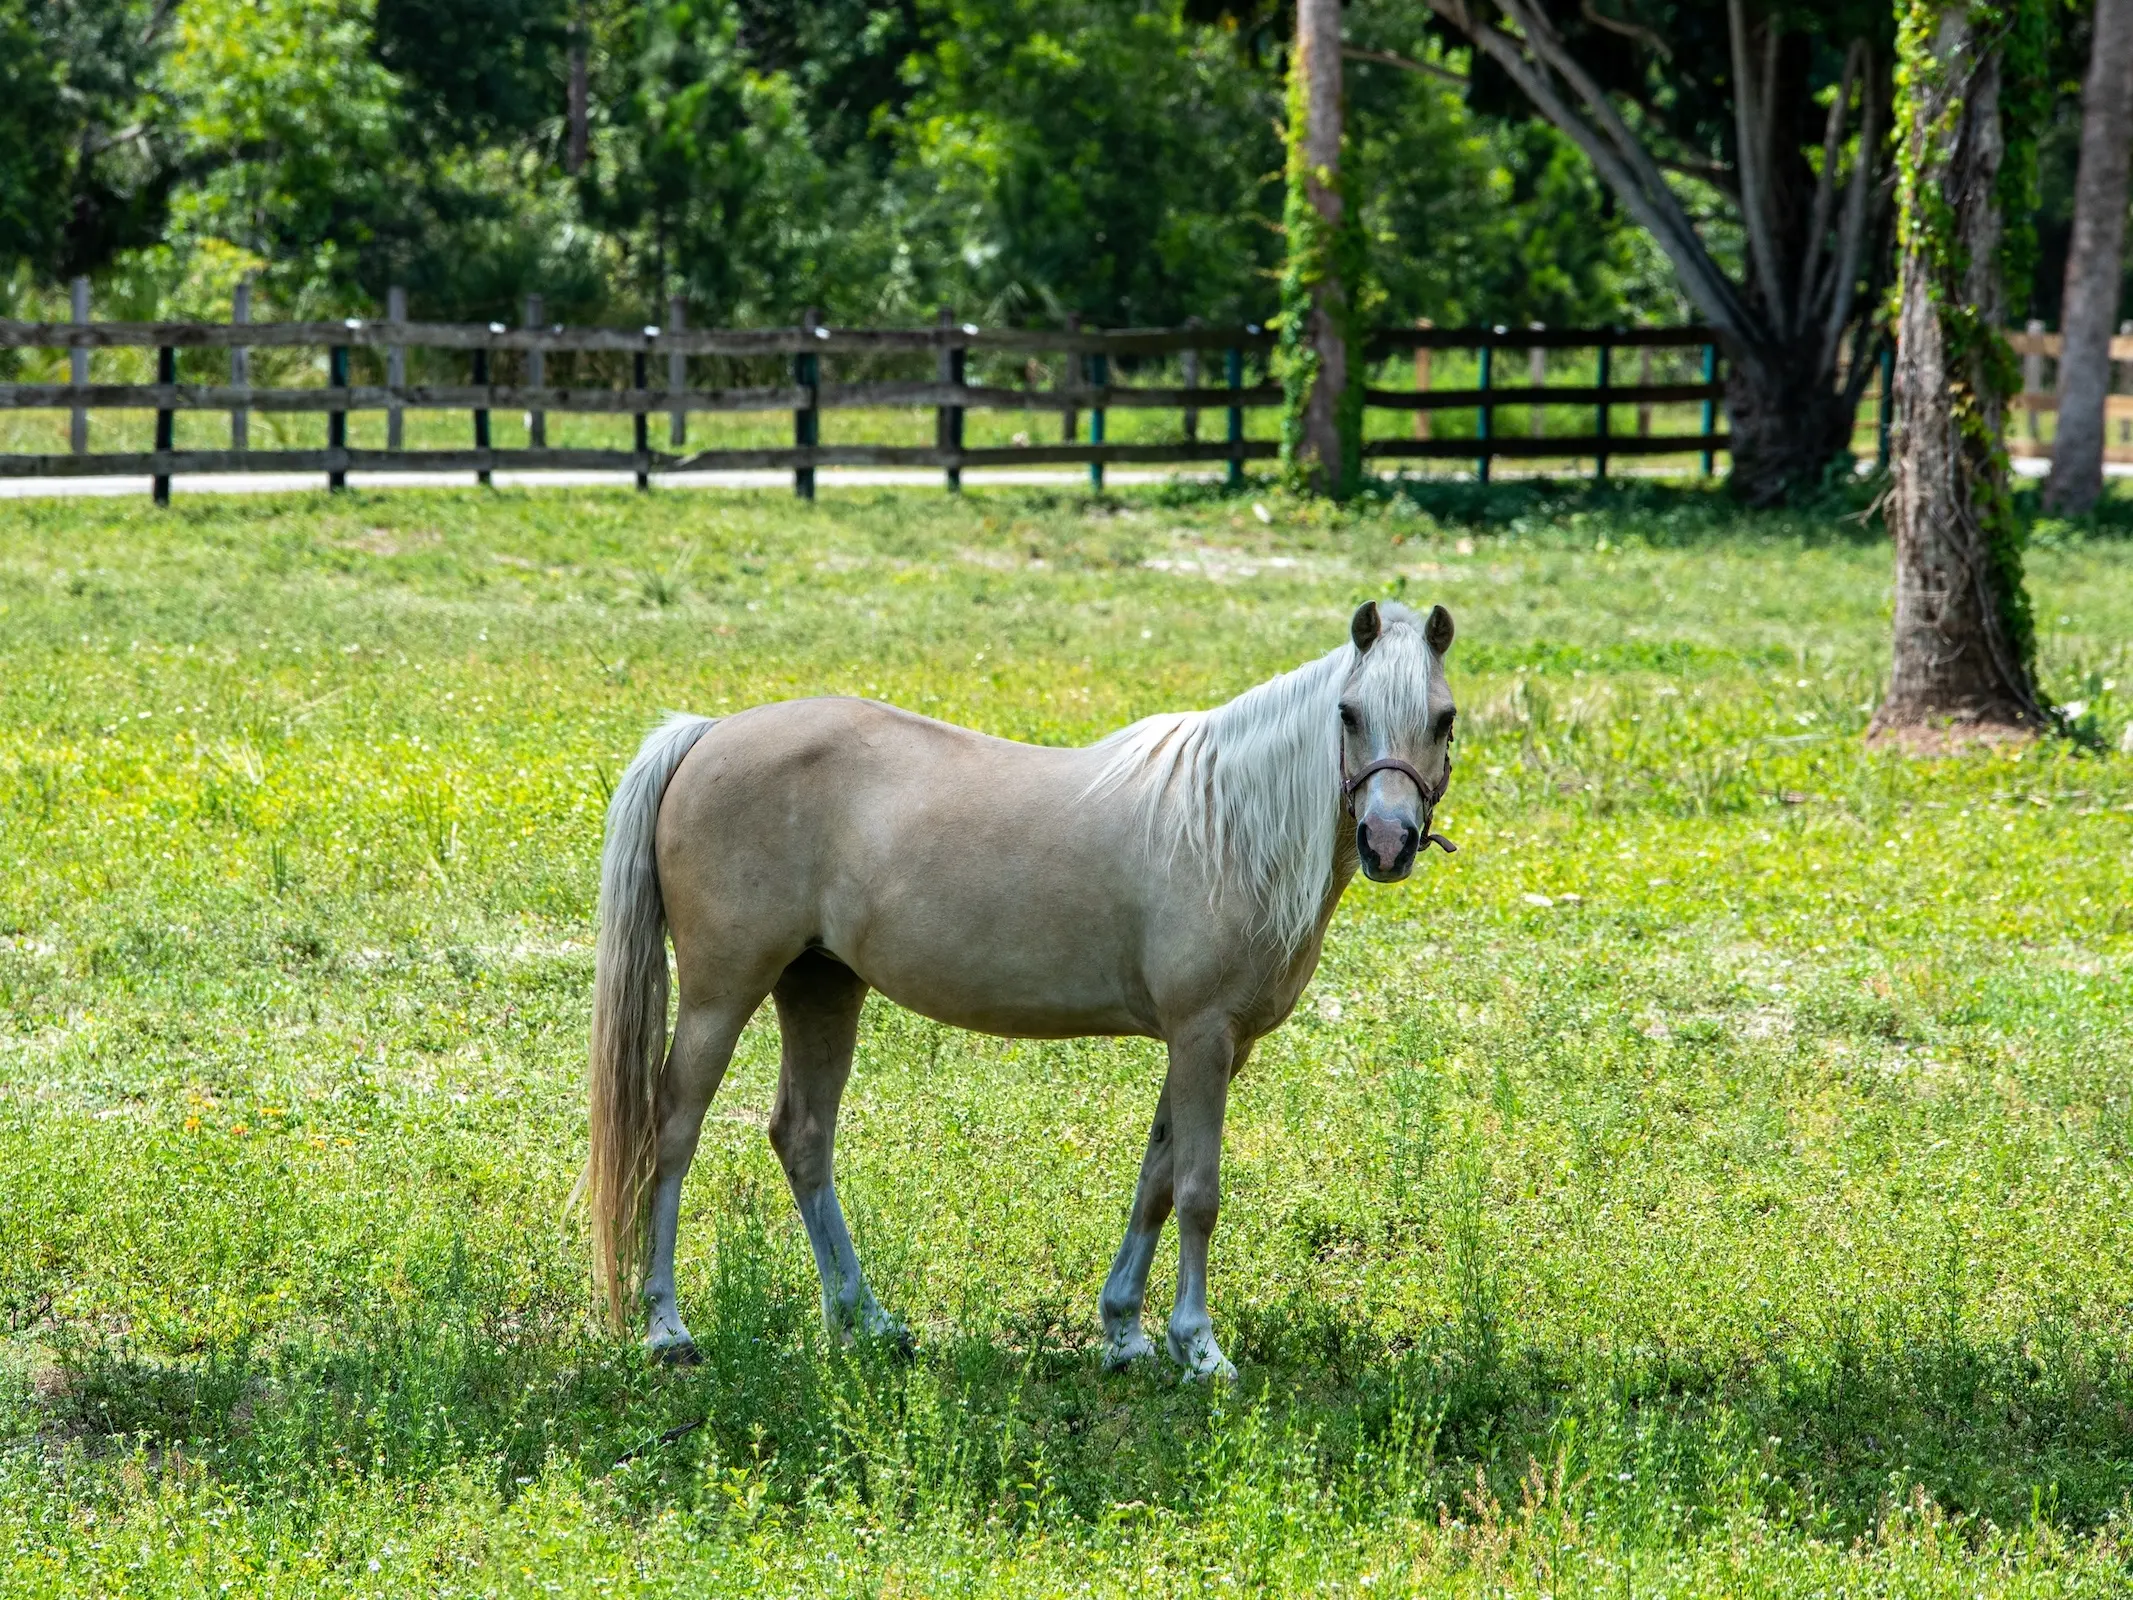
(1127, 1286)
(1198, 1092)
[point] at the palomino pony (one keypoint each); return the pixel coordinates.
(1173, 881)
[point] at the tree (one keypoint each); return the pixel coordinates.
(703, 173)
(1777, 113)
(1322, 278)
(476, 71)
(846, 60)
(1970, 94)
(1079, 156)
(86, 162)
(34, 149)
(2089, 306)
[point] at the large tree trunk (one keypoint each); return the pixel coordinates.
(1315, 218)
(1788, 418)
(1813, 232)
(1961, 647)
(2090, 308)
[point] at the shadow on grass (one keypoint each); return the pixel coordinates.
(458, 1373)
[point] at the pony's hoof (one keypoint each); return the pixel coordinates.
(1123, 1351)
(1200, 1359)
(680, 1352)
(895, 1340)
(878, 1330)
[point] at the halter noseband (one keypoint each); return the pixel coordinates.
(1431, 792)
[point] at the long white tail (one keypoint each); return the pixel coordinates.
(629, 1029)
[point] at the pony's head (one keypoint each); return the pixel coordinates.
(1396, 718)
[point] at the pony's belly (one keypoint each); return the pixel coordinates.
(1018, 999)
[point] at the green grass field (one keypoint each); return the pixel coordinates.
(1713, 1180)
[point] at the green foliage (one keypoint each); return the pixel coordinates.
(705, 171)
(1022, 160)
(1709, 1178)
(1074, 156)
(34, 151)
(86, 165)
(475, 71)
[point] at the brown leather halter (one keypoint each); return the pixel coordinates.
(1431, 792)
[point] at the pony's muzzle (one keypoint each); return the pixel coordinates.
(1387, 847)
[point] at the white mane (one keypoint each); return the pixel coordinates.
(1253, 788)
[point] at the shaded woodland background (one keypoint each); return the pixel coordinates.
(1020, 160)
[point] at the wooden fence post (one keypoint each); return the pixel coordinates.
(241, 367)
(481, 412)
(807, 421)
(2032, 375)
(1235, 365)
(1422, 363)
(677, 372)
(640, 423)
(2125, 424)
(1481, 414)
(1537, 375)
(395, 371)
(948, 420)
(78, 370)
(1644, 381)
(536, 374)
(1099, 377)
(1710, 407)
(1600, 417)
(166, 418)
(337, 420)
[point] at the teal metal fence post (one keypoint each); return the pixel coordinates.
(1887, 409)
(1099, 377)
(1600, 416)
(1236, 420)
(1710, 406)
(1481, 416)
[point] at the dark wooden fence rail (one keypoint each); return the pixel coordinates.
(1089, 390)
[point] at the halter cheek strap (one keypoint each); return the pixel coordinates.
(1431, 792)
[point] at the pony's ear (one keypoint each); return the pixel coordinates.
(1438, 629)
(1366, 627)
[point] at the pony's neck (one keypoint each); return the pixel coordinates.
(1252, 790)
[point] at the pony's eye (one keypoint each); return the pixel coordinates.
(1444, 724)
(1349, 719)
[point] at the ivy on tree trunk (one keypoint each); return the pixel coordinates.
(1319, 353)
(1970, 94)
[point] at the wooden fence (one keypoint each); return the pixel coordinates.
(801, 356)
(2036, 401)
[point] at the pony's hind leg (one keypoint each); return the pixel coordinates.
(818, 1000)
(704, 1036)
